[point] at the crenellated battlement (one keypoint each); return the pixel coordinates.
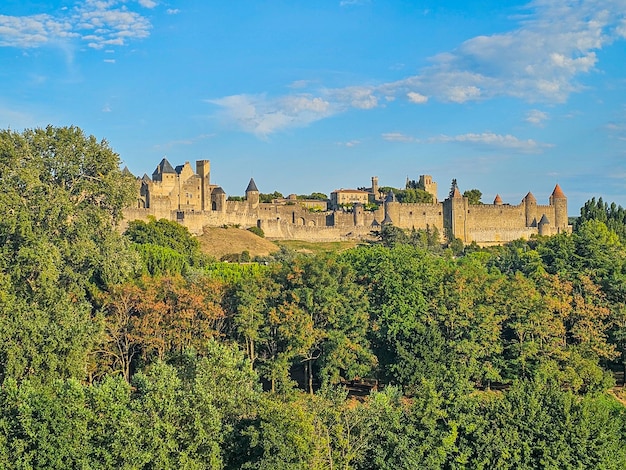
(187, 196)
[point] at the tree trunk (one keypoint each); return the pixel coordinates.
(310, 376)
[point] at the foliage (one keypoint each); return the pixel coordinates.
(166, 247)
(314, 195)
(102, 367)
(409, 195)
(263, 197)
(473, 196)
(62, 197)
(257, 231)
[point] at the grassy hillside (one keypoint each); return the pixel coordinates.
(317, 247)
(218, 241)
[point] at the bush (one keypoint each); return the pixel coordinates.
(257, 231)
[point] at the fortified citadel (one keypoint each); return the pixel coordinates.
(188, 197)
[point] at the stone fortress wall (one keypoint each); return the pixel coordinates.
(188, 197)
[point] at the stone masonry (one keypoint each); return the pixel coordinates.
(188, 197)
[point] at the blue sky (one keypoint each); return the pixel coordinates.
(506, 97)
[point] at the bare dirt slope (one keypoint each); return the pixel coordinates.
(217, 242)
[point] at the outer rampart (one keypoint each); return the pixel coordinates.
(180, 194)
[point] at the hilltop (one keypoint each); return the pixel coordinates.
(220, 241)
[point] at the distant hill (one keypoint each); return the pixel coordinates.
(218, 241)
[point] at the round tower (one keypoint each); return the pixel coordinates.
(559, 201)
(218, 199)
(458, 214)
(392, 209)
(252, 194)
(357, 212)
(375, 188)
(544, 226)
(530, 208)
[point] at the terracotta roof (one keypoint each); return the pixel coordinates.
(558, 193)
(530, 198)
(456, 192)
(497, 200)
(357, 191)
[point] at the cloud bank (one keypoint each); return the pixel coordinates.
(554, 43)
(97, 23)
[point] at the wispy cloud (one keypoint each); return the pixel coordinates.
(347, 3)
(398, 137)
(617, 130)
(350, 143)
(491, 140)
(540, 60)
(536, 117)
(98, 23)
(416, 98)
(176, 143)
(262, 116)
(172, 11)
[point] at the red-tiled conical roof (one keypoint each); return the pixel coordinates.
(558, 193)
(497, 200)
(530, 198)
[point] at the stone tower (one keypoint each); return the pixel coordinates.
(218, 199)
(203, 170)
(357, 211)
(165, 174)
(455, 215)
(426, 182)
(530, 208)
(392, 209)
(559, 201)
(375, 188)
(544, 226)
(252, 195)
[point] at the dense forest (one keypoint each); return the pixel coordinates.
(135, 350)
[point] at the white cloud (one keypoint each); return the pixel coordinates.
(397, 137)
(540, 60)
(536, 117)
(109, 61)
(416, 98)
(299, 84)
(359, 97)
(172, 11)
(260, 116)
(147, 3)
(617, 130)
(350, 143)
(98, 23)
(492, 140)
(346, 3)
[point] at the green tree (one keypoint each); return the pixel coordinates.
(62, 198)
(473, 196)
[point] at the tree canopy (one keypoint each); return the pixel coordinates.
(134, 351)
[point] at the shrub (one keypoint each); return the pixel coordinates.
(257, 231)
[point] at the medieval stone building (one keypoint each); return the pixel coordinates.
(188, 197)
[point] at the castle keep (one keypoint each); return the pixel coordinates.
(187, 196)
